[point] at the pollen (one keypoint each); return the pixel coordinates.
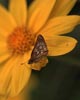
(20, 40)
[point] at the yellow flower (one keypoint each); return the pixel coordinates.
(19, 28)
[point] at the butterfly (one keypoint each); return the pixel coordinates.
(39, 51)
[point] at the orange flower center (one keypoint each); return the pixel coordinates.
(20, 41)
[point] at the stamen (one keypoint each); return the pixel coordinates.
(20, 40)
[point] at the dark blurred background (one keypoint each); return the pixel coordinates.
(60, 79)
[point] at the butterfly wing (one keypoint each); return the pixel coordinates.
(39, 50)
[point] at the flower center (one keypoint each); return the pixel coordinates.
(20, 41)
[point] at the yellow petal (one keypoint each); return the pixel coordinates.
(19, 97)
(20, 76)
(4, 53)
(59, 45)
(5, 75)
(4, 57)
(3, 47)
(7, 23)
(60, 25)
(19, 11)
(3, 97)
(62, 7)
(38, 13)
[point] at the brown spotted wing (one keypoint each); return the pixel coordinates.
(40, 50)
